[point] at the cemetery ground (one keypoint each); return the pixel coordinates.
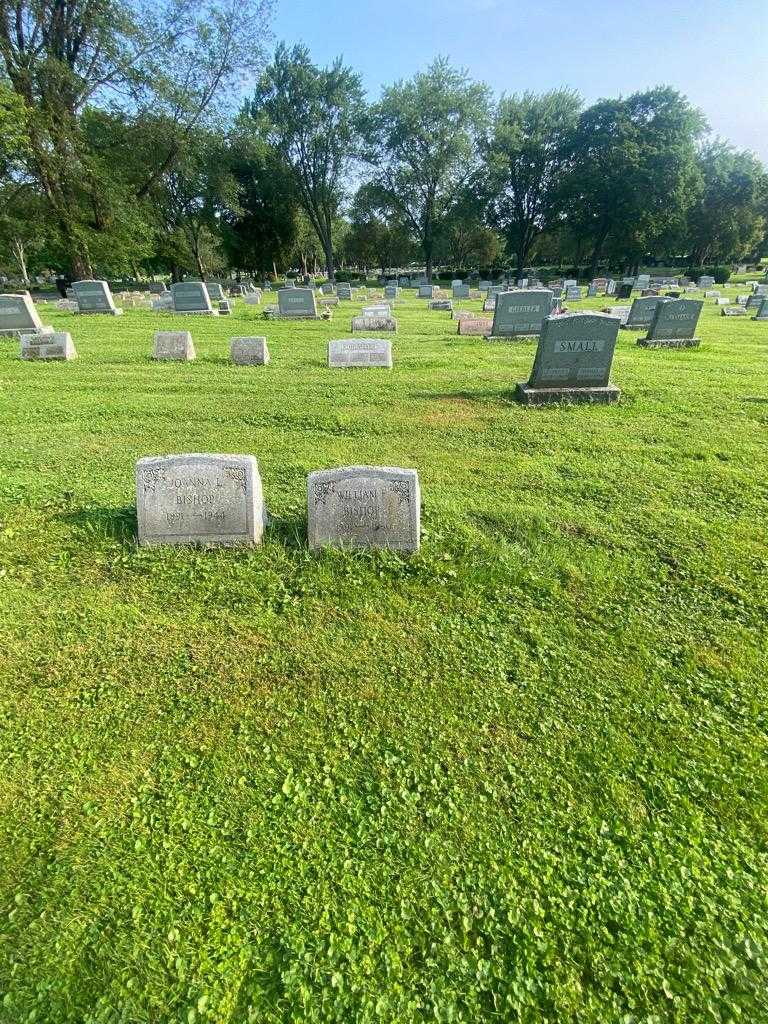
(520, 776)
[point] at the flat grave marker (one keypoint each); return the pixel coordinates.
(360, 352)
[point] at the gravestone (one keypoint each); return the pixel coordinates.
(174, 346)
(592, 291)
(18, 316)
(754, 301)
(157, 288)
(344, 292)
(706, 281)
(521, 314)
(426, 291)
(624, 292)
(570, 282)
(370, 352)
(192, 297)
(643, 281)
(573, 293)
(674, 325)
(762, 313)
(199, 499)
(327, 288)
(720, 301)
(95, 297)
(249, 351)
(252, 298)
(364, 507)
(391, 292)
(460, 291)
(55, 346)
(484, 285)
(610, 287)
(641, 313)
(733, 311)
(712, 293)
(573, 361)
(374, 323)
(621, 312)
(762, 290)
(474, 325)
(381, 309)
(446, 305)
(297, 303)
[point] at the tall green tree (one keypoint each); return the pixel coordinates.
(178, 57)
(527, 155)
(423, 145)
(728, 219)
(634, 169)
(311, 116)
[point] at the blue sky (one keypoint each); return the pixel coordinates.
(714, 51)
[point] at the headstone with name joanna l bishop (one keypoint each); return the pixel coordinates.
(520, 314)
(173, 346)
(249, 351)
(573, 361)
(297, 303)
(199, 499)
(641, 313)
(364, 507)
(360, 352)
(57, 346)
(18, 316)
(192, 297)
(674, 325)
(373, 323)
(95, 297)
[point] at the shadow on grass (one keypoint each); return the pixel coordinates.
(755, 400)
(117, 524)
(289, 531)
(501, 397)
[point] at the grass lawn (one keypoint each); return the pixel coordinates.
(521, 776)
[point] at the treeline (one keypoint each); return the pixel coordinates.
(121, 153)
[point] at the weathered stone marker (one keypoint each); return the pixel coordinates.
(173, 345)
(762, 313)
(371, 352)
(374, 323)
(521, 314)
(249, 351)
(573, 361)
(199, 499)
(391, 291)
(364, 507)
(95, 297)
(674, 325)
(18, 316)
(426, 291)
(733, 311)
(642, 311)
(460, 291)
(444, 305)
(55, 346)
(480, 326)
(344, 292)
(380, 309)
(192, 297)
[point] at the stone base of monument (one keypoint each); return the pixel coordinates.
(17, 332)
(527, 395)
(668, 342)
(195, 312)
(99, 312)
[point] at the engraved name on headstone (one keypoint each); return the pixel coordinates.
(297, 302)
(374, 323)
(364, 507)
(18, 316)
(55, 346)
(199, 499)
(370, 352)
(641, 313)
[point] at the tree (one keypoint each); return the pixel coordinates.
(528, 154)
(727, 220)
(262, 233)
(634, 169)
(177, 57)
(422, 139)
(311, 116)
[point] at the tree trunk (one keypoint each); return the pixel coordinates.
(18, 251)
